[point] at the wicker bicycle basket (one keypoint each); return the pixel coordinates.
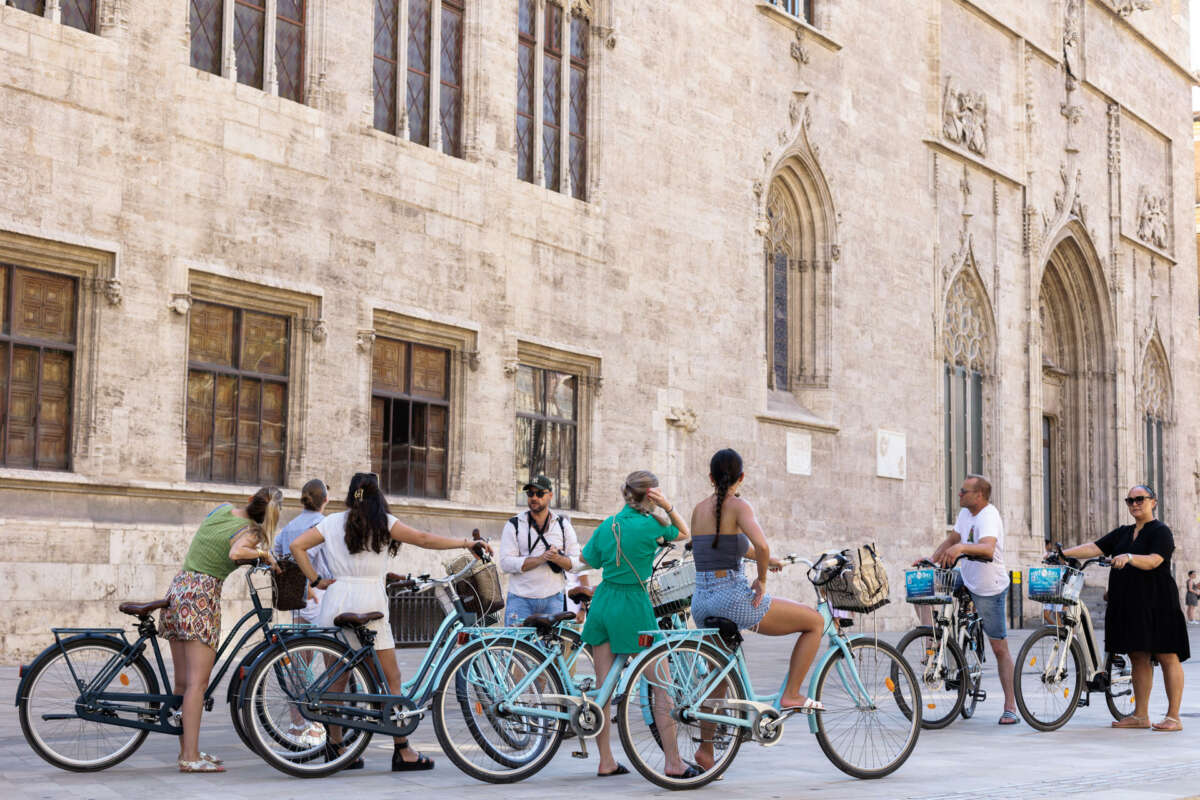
(480, 590)
(290, 585)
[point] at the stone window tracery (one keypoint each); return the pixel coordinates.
(259, 43)
(1155, 396)
(967, 353)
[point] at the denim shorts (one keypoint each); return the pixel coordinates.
(517, 608)
(728, 596)
(992, 609)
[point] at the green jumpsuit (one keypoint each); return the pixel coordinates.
(621, 608)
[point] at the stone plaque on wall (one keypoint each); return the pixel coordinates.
(890, 460)
(799, 453)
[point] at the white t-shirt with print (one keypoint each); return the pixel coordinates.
(984, 579)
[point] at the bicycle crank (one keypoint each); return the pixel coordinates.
(767, 729)
(587, 719)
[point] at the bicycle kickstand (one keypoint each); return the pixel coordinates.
(582, 751)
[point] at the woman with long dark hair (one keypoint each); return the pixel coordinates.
(192, 620)
(1143, 617)
(360, 544)
(726, 534)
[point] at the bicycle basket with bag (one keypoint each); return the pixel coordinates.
(291, 587)
(480, 590)
(862, 584)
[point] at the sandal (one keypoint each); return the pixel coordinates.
(1138, 723)
(692, 771)
(1009, 718)
(807, 707)
(400, 765)
(620, 770)
(212, 759)
(334, 750)
(199, 766)
(1169, 724)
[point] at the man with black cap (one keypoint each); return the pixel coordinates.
(536, 549)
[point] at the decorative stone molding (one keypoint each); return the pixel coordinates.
(1071, 38)
(1114, 138)
(318, 329)
(109, 288)
(364, 339)
(966, 339)
(1124, 8)
(470, 358)
(1155, 387)
(684, 418)
(1153, 223)
(113, 17)
(181, 303)
(964, 118)
(798, 50)
(511, 366)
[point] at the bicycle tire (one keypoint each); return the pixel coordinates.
(974, 680)
(641, 728)
(50, 688)
(582, 665)
(944, 694)
(843, 717)
(1037, 699)
(270, 698)
(479, 740)
(1118, 696)
(237, 676)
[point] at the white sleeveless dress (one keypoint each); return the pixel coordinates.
(359, 581)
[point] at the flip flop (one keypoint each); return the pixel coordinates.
(693, 771)
(620, 770)
(1168, 724)
(1009, 718)
(1134, 723)
(807, 707)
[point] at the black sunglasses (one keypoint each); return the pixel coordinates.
(1129, 501)
(535, 493)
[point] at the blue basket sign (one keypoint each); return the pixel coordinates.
(918, 583)
(1045, 580)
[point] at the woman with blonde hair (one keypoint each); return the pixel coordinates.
(192, 620)
(624, 546)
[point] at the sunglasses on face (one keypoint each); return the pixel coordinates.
(1129, 501)
(535, 493)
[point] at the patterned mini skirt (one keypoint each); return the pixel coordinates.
(195, 610)
(729, 596)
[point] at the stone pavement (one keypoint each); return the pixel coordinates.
(971, 759)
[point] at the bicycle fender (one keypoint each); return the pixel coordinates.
(52, 650)
(238, 676)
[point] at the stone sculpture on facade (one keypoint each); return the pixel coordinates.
(1071, 38)
(1126, 7)
(964, 119)
(1153, 226)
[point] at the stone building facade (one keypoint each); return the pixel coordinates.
(873, 246)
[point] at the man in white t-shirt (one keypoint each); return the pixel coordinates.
(979, 532)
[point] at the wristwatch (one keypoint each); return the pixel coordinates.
(313, 583)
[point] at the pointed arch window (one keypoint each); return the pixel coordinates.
(1155, 400)
(966, 347)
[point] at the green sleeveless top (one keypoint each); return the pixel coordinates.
(209, 552)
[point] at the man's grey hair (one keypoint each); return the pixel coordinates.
(983, 485)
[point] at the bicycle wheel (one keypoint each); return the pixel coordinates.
(1119, 694)
(236, 676)
(275, 690)
(1048, 699)
(974, 676)
(663, 687)
(943, 688)
(48, 706)
(868, 736)
(482, 741)
(579, 660)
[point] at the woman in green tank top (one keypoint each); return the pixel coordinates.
(192, 620)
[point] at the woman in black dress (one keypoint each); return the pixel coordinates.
(1143, 617)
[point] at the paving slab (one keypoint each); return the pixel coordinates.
(972, 759)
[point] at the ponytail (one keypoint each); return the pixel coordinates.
(366, 517)
(725, 468)
(263, 510)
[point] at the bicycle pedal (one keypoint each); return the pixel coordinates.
(578, 754)
(981, 694)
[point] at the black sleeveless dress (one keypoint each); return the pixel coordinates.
(1143, 613)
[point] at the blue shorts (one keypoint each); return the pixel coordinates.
(517, 608)
(992, 609)
(729, 596)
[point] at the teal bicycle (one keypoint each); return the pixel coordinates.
(868, 728)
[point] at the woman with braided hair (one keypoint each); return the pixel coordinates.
(726, 534)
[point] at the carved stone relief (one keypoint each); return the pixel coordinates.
(964, 118)
(1155, 389)
(798, 50)
(1126, 7)
(1153, 223)
(965, 338)
(1071, 38)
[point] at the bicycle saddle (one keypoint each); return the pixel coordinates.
(544, 622)
(142, 609)
(727, 628)
(350, 619)
(581, 594)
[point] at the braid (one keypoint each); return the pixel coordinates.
(725, 468)
(722, 490)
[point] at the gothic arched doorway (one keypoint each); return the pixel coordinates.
(1076, 393)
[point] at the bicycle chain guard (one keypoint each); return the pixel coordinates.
(587, 719)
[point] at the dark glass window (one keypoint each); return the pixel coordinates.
(777, 263)
(384, 73)
(236, 395)
(32, 6)
(289, 49)
(249, 31)
(1155, 477)
(802, 9)
(526, 91)
(410, 414)
(578, 111)
(418, 71)
(964, 430)
(79, 14)
(450, 100)
(552, 95)
(547, 414)
(205, 17)
(37, 357)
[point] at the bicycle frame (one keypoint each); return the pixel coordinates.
(96, 705)
(1079, 624)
